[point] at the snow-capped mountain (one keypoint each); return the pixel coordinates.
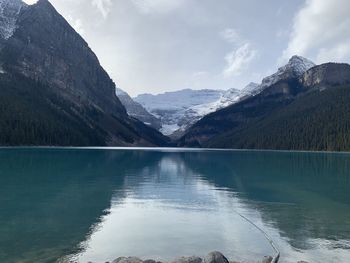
(295, 67)
(9, 12)
(227, 98)
(251, 89)
(136, 110)
(180, 109)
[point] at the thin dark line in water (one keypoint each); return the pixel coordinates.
(276, 258)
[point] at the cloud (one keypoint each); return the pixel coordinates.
(230, 35)
(322, 28)
(104, 6)
(157, 6)
(238, 60)
(240, 57)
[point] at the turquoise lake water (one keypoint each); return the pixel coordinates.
(81, 205)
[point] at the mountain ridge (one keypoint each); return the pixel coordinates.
(286, 115)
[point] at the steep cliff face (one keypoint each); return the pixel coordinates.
(45, 49)
(137, 111)
(327, 74)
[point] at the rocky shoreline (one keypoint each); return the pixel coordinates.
(212, 257)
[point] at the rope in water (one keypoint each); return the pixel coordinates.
(268, 238)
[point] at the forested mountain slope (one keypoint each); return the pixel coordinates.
(311, 112)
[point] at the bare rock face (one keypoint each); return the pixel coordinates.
(328, 74)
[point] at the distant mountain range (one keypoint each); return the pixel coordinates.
(53, 89)
(179, 110)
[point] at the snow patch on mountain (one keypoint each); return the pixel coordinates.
(251, 88)
(180, 109)
(9, 12)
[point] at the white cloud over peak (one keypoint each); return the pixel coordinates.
(321, 29)
(104, 6)
(238, 60)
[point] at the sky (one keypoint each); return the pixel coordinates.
(154, 46)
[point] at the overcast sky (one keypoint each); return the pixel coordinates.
(152, 46)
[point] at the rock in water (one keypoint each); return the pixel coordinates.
(127, 260)
(267, 259)
(215, 257)
(192, 259)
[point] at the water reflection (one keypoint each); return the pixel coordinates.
(50, 200)
(96, 205)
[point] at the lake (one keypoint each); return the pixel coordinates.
(80, 205)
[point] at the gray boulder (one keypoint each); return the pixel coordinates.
(192, 259)
(267, 259)
(215, 257)
(127, 260)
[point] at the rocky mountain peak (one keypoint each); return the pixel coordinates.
(299, 65)
(295, 68)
